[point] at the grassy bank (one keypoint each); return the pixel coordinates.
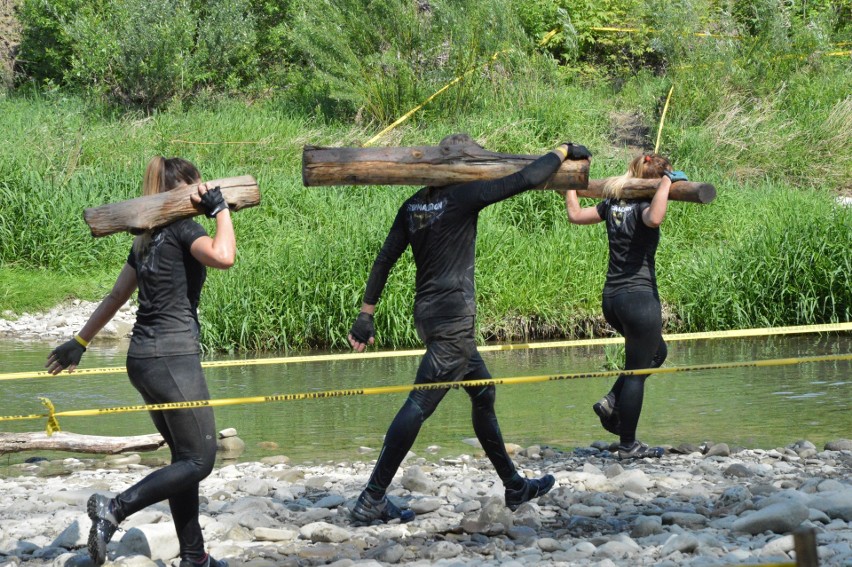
(773, 249)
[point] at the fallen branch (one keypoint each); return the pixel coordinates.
(77, 443)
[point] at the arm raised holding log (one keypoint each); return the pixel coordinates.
(447, 164)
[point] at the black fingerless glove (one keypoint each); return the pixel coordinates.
(213, 202)
(576, 151)
(69, 353)
(363, 329)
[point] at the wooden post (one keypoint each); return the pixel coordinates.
(804, 542)
(448, 164)
(147, 213)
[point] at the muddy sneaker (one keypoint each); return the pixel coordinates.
(639, 450)
(533, 488)
(208, 562)
(368, 509)
(607, 412)
(104, 524)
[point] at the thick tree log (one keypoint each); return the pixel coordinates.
(689, 191)
(425, 165)
(445, 165)
(64, 441)
(146, 213)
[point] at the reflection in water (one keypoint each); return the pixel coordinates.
(754, 407)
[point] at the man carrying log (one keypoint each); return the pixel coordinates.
(440, 225)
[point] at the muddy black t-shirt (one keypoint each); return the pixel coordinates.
(170, 281)
(440, 225)
(632, 246)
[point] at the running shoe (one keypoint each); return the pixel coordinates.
(533, 488)
(208, 562)
(608, 413)
(104, 524)
(639, 450)
(368, 509)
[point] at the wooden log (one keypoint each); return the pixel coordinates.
(425, 165)
(147, 213)
(689, 191)
(77, 443)
(448, 164)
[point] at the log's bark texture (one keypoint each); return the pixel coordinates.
(448, 164)
(425, 165)
(77, 443)
(147, 213)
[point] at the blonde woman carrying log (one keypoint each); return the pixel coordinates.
(439, 223)
(168, 266)
(631, 303)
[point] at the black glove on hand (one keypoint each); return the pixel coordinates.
(68, 353)
(213, 202)
(363, 329)
(576, 151)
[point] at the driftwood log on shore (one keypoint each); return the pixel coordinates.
(146, 213)
(77, 443)
(448, 164)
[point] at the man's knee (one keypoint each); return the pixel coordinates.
(482, 397)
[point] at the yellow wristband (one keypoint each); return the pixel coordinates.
(83, 342)
(563, 150)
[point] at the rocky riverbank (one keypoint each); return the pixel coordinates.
(63, 321)
(694, 506)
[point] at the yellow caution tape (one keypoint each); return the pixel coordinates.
(431, 386)
(52, 423)
(730, 334)
(662, 120)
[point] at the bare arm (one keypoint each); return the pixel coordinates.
(221, 250)
(578, 214)
(121, 291)
(653, 216)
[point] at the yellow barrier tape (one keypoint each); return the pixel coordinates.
(52, 423)
(731, 334)
(662, 120)
(411, 112)
(433, 386)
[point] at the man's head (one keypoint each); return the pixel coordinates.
(457, 140)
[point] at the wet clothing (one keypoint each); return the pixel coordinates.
(170, 281)
(632, 246)
(631, 303)
(440, 225)
(164, 365)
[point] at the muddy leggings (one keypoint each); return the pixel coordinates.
(451, 356)
(637, 316)
(191, 436)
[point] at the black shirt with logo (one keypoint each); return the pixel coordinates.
(170, 281)
(632, 246)
(440, 225)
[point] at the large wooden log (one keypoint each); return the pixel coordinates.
(425, 165)
(77, 443)
(147, 213)
(448, 164)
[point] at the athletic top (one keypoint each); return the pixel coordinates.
(632, 246)
(440, 225)
(170, 281)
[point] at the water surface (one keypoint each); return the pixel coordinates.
(753, 407)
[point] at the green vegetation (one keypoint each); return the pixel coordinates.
(765, 116)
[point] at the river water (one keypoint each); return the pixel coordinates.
(762, 407)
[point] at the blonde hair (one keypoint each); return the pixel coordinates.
(647, 166)
(161, 175)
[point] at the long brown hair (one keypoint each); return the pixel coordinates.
(161, 175)
(647, 166)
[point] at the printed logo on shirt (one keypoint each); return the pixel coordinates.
(423, 215)
(620, 212)
(151, 259)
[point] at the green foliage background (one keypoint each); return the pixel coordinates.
(759, 108)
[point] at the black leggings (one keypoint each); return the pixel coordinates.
(191, 436)
(637, 316)
(451, 356)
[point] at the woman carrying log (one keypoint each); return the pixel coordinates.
(168, 266)
(631, 303)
